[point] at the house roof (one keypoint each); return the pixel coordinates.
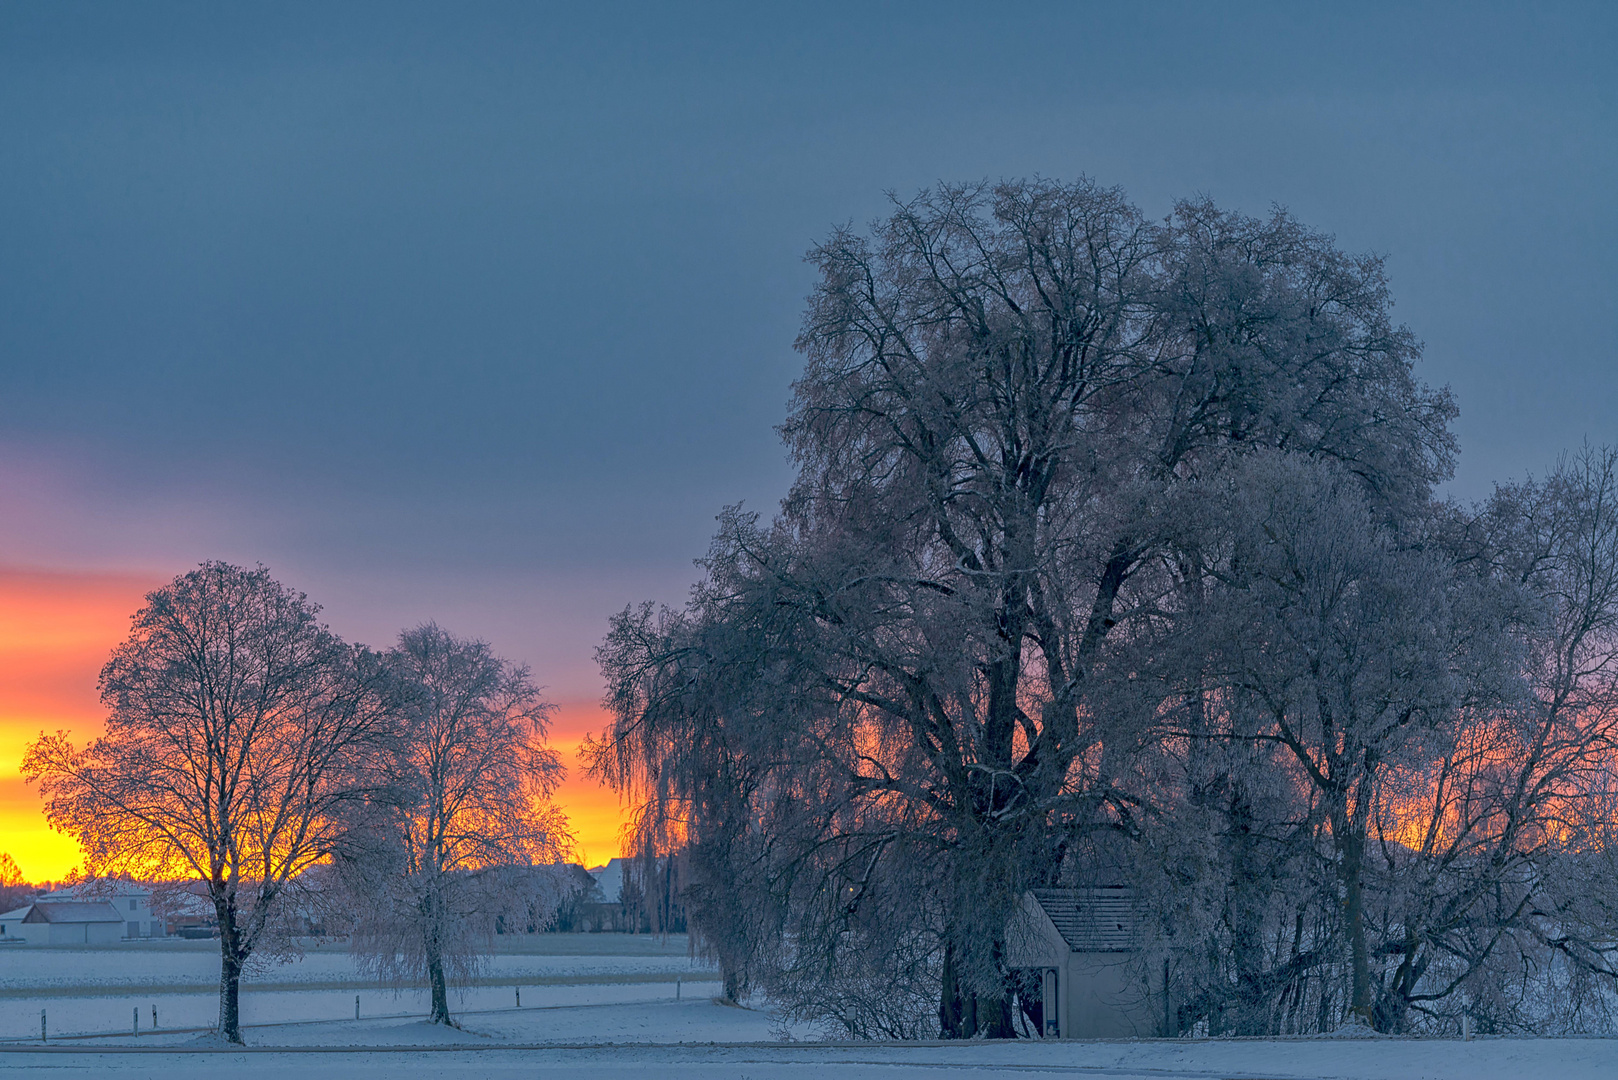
(98, 889)
(16, 913)
(72, 911)
(1091, 920)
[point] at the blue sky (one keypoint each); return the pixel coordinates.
(482, 312)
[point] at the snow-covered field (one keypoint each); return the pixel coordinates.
(611, 1014)
(174, 965)
(85, 990)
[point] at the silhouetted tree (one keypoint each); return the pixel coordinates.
(238, 730)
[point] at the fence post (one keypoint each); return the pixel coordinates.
(677, 981)
(42, 1037)
(519, 996)
(356, 1006)
(134, 1023)
(154, 1016)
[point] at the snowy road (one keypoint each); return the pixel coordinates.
(1246, 1060)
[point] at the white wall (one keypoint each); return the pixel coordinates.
(16, 928)
(1107, 997)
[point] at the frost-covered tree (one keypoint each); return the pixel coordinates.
(1343, 646)
(940, 654)
(460, 844)
(238, 731)
(1496, 848)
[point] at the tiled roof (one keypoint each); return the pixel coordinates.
(72, 911)
(1091, 920)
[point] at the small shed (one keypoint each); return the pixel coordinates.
(73, 922)
(1084, 944)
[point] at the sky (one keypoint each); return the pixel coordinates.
(481, 313)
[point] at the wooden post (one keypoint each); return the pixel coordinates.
(519, 996)
(356, 1006)
(134, 1022)
(42, 1037)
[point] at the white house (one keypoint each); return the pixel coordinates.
(610, 880)
(72, 922)
(132, 902)
(1083, 942)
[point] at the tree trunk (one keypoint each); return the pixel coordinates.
(952, 1020)
(1351, 849)
(230, 986)
(1247, 897)
(963, 1014)
(435, 980)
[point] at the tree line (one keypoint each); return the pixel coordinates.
(405, 792)
(1116, 556)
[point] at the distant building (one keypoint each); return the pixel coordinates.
(626, 896)
(594, 899)
(71, 922)
(131, 900)
(1083, 945)
(610, 880)
(11, 928)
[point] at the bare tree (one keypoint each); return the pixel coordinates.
(14, 888)
(460, 846)
(1491, 847)
(238, 729)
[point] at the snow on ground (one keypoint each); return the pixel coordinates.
(416, 1050)
(607, 1030)
(95, 989)
(188, 965)
(75, 1015)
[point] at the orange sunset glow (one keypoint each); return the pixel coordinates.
(56, 629)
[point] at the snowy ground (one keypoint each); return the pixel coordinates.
(95, 989)
(611, 1014)
(414, 1050)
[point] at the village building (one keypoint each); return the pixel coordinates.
(131, 900)
(1084, 946)
(68, 922)
(11, 928)
(90, 913)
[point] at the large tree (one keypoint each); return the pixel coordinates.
(944, 639)
(459, 844)
(238, 730)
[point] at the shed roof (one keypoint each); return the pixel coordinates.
(72, 911)
(1091, 920)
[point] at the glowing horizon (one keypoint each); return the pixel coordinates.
(56, 630)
